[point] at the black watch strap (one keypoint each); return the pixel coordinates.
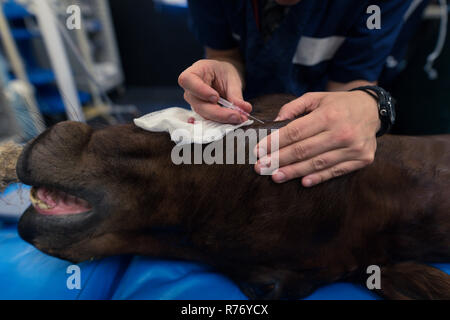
(386, 106)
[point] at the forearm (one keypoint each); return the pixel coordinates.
(338, 86)
(232, 56)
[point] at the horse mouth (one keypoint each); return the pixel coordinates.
(54, 202)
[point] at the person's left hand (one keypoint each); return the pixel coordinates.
(336, 137)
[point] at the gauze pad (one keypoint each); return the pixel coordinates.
(186, 126)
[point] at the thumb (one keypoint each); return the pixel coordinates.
(308, 102)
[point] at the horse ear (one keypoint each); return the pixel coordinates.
(410, 280)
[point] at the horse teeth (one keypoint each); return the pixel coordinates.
(43, 206)
(38, 202)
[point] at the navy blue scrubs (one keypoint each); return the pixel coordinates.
(317, 41)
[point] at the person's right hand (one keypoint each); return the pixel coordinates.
(205, 81)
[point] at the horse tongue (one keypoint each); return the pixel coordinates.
(60, 203)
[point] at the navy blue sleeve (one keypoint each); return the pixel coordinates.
(364, 52)
(210, 25)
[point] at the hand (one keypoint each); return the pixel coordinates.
(205, 81)
(336, 137)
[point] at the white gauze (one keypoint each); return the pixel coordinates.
(176, 121)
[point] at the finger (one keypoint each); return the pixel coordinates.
(311, 166)
(304, 150)
(213, 111)
(234, 95)
(333, 172)
(195, 85)
(296, 131)
(307, 102)
(244, 105)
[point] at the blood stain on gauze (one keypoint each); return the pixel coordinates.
(191, 120)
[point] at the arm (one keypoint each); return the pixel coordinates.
(338, 133)
(339, 86)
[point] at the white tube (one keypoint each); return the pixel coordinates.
(58, 59)
(432, 73)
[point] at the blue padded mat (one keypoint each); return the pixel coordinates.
(148, 278)
(26, 273)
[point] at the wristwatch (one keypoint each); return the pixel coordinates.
(386, 106)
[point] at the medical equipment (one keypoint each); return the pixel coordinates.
(443, 15)
(231, 106)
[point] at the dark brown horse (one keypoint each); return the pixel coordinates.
(275, 241)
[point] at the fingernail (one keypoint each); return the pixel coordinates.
(234, 119)
(213, 99)
(277, 119)
(279, 176)
(308, 183)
